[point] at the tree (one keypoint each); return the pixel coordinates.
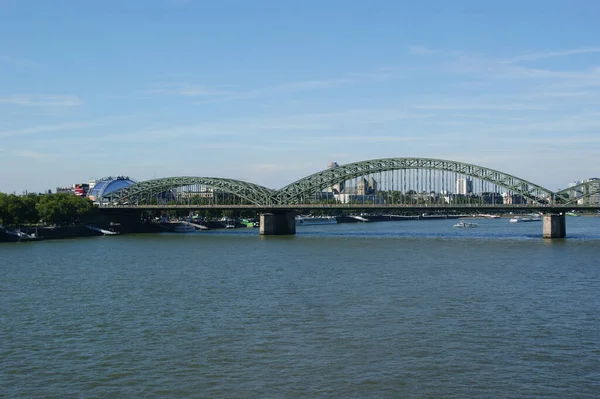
(4, 217)
(17, 210)
(63, 208)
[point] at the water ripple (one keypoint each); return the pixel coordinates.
(349, 311)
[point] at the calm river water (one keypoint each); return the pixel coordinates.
(383, 310)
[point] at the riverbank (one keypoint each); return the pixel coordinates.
(49, 233)
(81, 230)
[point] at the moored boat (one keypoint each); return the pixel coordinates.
(489, 216)
(103, 231)
(466, 225)
(520, 219)
(183, 228)
(312, 220)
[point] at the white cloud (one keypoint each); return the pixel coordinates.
(552, 54)
(42, 100)
(17, 61)
(480, 106)
(30, 154)
(481, 66)
(265, 166)
(219, 94)
(57, 127)
(185, 89)
(244, 129)
(420, 50)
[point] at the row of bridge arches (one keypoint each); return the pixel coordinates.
(390, 180)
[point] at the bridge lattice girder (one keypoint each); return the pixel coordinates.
(294, 192)
(584, 190)
(251, 192)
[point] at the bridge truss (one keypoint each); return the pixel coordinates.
(386, 182)
(190, 191)
(413, 180)
(586, 193)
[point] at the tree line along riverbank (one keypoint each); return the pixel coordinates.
(44, 209)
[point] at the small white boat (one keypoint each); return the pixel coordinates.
(103, 231)
(184, 228)
(466, 225)
(519, 219)
(489, 216)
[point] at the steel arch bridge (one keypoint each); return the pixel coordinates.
(396, 171)
(329, 177)
(582, 191)
(156, 189)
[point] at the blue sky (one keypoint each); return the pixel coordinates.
(270, 91)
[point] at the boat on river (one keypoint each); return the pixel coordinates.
(521, 219)
(184, 228)
(466, 225)
(103, 231)
(18, 235)
(311, 220)
(487, 215)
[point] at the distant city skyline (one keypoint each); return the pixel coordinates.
(271, 91)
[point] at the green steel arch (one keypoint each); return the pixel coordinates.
(293, 192)
(581, 191)
(251, 192)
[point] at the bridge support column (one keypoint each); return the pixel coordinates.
(555, 226)
(277, 224)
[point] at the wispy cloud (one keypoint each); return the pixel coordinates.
(243, 146)
(42, 100)
(246, 130)
(185, 89)
(30, 154)
(17, 61)
(512, 82)
(551, 54)
(65, 126)
(265, 166)
(227, 94)
(477, 65)
(530, 56)
(457, 105)
(420, 50)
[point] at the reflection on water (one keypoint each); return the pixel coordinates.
(397, 309)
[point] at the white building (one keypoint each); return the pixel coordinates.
(464, 185)
(358, 199)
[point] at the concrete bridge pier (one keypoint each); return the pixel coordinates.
(277, 223)
(554, 226)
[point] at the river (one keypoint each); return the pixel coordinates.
(381, 310)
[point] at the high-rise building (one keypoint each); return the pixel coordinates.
(591, 192)
(464, 185)
(366, 187)
(574, 193)
(372, 184)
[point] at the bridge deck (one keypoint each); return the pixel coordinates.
(368, 207)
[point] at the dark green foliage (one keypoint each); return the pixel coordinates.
(46, 208)
(16, 209)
